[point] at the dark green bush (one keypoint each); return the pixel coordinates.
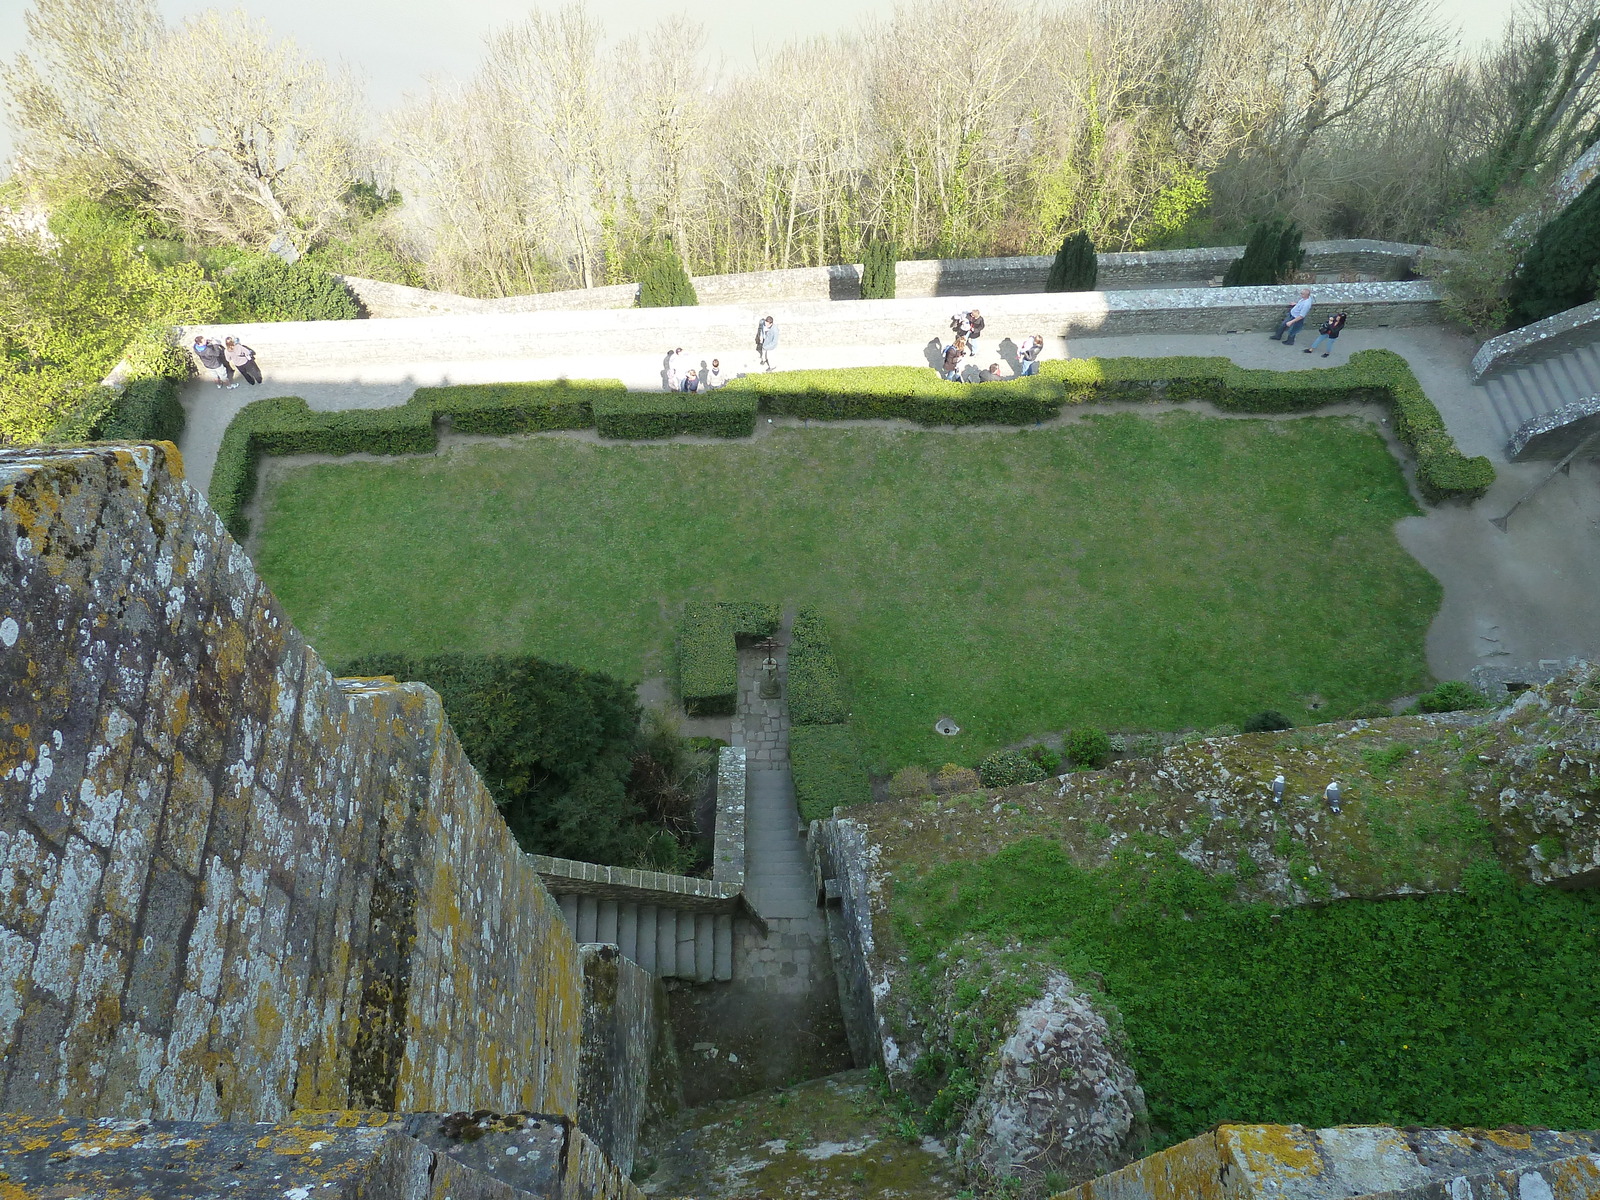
(1076, 267)
(1267, 721)
(1049, 760)
(816, 691)
(1088, 747)
(828, 769)
(664, 283)
(147, 410)
(722, 413)
(1451, 696)
(913, 393)
(707, 644)
(1006, 767)
(878, 256)
(270, 289)
(1559, 270)
(554, 745)
(1271, 255)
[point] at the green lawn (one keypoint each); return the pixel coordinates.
(1129, 571)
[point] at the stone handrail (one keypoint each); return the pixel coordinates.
(1543, 339)
(727, 855)
(567, 876)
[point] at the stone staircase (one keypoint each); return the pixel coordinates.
(1538, 388)
(778, 877)
(670, 942)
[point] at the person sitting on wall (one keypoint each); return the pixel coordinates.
(714, 376)
(996, 372)
(691, 380)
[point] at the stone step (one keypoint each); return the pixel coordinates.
(669, 942)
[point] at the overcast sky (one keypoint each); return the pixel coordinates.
(395, 44)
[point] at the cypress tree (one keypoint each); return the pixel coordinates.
(878, 257)
(1562, 266)
(664, 282)
(1271, 255)
(1076, 268)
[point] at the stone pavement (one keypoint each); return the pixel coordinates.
(1510, 599)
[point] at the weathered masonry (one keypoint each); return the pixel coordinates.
(234, 889)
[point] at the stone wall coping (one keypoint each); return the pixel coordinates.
(1578, 326)
(915, 278)
(566, 876)
(727, 855)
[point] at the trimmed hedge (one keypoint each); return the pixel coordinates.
(816, 691)
(721, 413)
(913, 393)
(498, 409)
(708, 651)
(828, 769)
(147, 410)
(1443, 472)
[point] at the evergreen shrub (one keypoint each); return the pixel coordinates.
(1559, 270)
(816, 690)
(1267, 721)
(721, 413)
(1088, 747)
(1006, 767)
(1076, 267)
(270, 289)
(554, 745)
(910, 393)
(828, 768)
(500, 409)
(708, 657)
(664, 282)
(878, 257)
(1271, 255)
(147, 410)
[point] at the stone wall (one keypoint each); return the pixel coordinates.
(623, 1011)
(1554, 335)
(914, 279)
(230, 885)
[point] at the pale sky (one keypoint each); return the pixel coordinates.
(395, 44)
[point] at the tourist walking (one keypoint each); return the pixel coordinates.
(961, 324)
(1028, 355)
(1330, 331)
(954, 354)
(1294, 320)
(242, 359)
(212, 359)
(975, 323)
(766, 341)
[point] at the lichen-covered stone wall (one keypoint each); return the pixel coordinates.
(623, 1012)
(231, 885)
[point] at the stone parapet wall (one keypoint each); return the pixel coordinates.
(914, 279)
(569, 877)
(429, 349)
(623, 1011)
(727, 851)
(232, 885)
(1555, 335)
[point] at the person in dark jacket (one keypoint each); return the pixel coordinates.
(1028, 354)
(1330, 331)
(212, 359)
(975, 325)
(954, 355)
(242, 359)
(766, 341)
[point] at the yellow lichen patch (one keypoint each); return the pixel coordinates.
(1273, 1151)
(340, 1118)
(174, 459)
(294, 1140)
(1506, 1138)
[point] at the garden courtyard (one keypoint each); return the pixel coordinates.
(1128, 571)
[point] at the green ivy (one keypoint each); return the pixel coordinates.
(1479, 1008)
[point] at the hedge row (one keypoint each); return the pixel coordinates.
(708, 651)
(650, 415)
(824, 755)
(1443, 472)
(146, 410)
(816, 690)
(828, 769)
(500, 409)
(912, 393)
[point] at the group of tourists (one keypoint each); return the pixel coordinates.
(224, 358)
(1294, 321)
(961, 355)
(681, 376)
